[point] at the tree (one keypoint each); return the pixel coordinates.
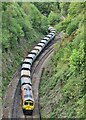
(64, 8)
(53, 18)
(46, 8)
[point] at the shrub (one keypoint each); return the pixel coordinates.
(75, 8)
(5, 39)
(77, 58)
(44, 24)
(63, 25)
(72, 27)
(53, 18)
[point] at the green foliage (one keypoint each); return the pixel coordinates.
(19, 22)
(64, 8)
(76, 8)
(36, 19)
(11, 25)
(53, 18)
(46, 7)
(5, 37)
(73, 25)
(22, 26)
(63, 25)
(44, 24)
(62, 88)
(35, 16)
(77, 58)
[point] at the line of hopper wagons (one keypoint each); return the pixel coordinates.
(28, 102)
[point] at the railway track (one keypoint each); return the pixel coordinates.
(12, 107)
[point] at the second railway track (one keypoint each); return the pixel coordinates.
(15, 107)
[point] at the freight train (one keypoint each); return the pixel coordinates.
(27, 97)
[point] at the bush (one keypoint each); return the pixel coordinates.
(21, 22)
(64, 8)
(44, 24)
(38, 21)
(75, 8)
(63, 25)
(72, 26)
(53, 18)
(77, 58)
(5, 39)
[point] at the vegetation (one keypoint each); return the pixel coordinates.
(22, 27)
(62, 90)
(46, 8)
(53, 18)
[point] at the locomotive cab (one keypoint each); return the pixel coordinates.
(28, 107)
(27, 99)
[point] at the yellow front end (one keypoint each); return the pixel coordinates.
(28, 105)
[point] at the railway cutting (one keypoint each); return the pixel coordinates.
(12, 103)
